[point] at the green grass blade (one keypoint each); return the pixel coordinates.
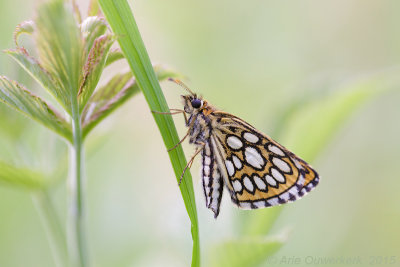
(120, 17)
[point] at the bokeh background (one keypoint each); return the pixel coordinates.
(250, 58)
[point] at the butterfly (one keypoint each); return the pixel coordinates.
(257, 171)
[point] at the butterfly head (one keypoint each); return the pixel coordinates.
(193, 103)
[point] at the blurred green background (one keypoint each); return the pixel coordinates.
(253, 59)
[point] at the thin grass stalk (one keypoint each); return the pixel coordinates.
(76, 209)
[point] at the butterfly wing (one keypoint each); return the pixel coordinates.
(258, 171)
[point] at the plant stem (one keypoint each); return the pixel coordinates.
(76, 213)
(54, 232)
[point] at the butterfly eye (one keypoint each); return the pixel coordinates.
(197, 103)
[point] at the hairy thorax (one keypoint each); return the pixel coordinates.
(200, 128)
(201, 123)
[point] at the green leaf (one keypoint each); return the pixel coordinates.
(122, 22)
(22, 100)
(21, 177)
(94, 67)
(112, 95)
(44, 78)
(61, 48)
(114, 55)
(106, 99)
(92, 28)
(244, 252)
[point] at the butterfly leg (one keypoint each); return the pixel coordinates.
(190, 162)
(186, 135)
(175, 111)
(180, 142)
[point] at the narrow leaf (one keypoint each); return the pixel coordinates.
(114, 55)
(21, 177)
(121, 20)
(22, 100)
(106, 99)
(92, 28)
(45, 79)
(60, 47)
(93, 67)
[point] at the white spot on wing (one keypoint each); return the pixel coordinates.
(206, 180)
(253, 157)
(259, 204)
(237, 162)
(285, 196)
(301, 180)
(248, 184)
(207, 149)
(207, 160)
(270, 180)
(297, 163)
(206, 170)
(234, 142)
(215, 193)
(207, 189)
(273, 201)
(259, 183)
(237, 186)
(277, 175)
(251, 137)
(229, 167)
(282, 165)
(275, 150)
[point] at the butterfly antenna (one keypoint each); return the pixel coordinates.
(180, 83)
